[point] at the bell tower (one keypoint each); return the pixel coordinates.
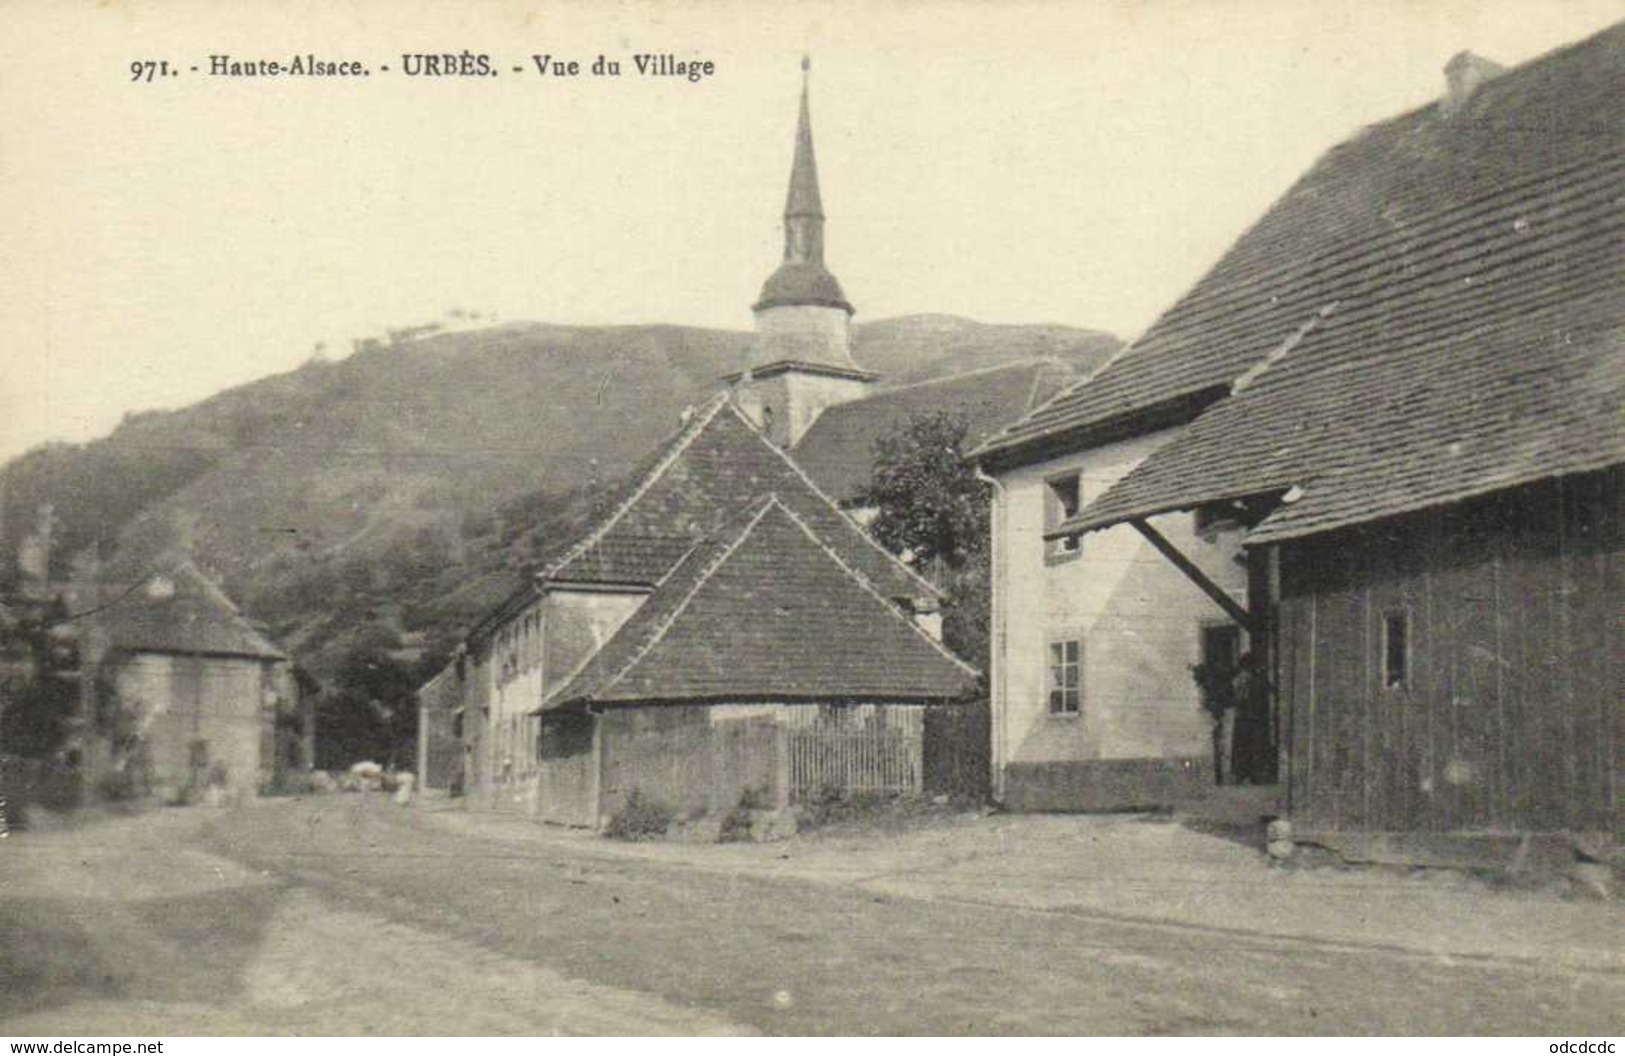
(801, 361)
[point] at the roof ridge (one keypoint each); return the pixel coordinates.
(930, 591)
(863, 581)
(1025, 363)
(678, 443)
(1279, 352)
(992, 443)
(658, 632)
(1499, 81)
(211, 592)
(1032, 393)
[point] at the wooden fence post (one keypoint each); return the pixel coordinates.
(781, 758)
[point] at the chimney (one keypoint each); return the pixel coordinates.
(1462, 76)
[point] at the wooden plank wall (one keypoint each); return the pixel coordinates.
(565, 778)
(1512, 717)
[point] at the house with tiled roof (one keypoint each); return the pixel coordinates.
(1377, 449)
(838, 449)
(189, 689)
(725, 612)
(723, 631)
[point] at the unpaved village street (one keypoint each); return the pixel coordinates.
(346, 915)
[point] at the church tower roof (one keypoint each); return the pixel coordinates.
(804, 199)
(803, 279)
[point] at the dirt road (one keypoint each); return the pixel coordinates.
(128, 928)
(499, 929)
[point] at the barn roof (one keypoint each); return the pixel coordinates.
(838, 451)
(1430, 195)
(714, 467)
(767, 611)
(1433, 312)
(179, 610)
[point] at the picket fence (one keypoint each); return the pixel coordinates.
(872, 749)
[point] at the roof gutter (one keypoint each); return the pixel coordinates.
(998, 662)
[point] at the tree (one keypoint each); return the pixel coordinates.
(38, 693)
(370, 711)
(932, 509)
(932, 512)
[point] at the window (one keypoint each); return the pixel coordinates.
(1060, 505)
(1065, 677)
(1396, 650)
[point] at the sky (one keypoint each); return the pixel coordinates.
(1078, 163)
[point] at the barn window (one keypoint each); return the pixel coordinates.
(1060, 505)
(1396, 650)
(1065, 677)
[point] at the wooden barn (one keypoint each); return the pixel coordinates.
(1458, 671)
(723, 630)
(1403, 392)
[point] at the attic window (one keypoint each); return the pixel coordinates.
(1060, 505)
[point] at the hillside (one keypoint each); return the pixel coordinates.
(400, 490)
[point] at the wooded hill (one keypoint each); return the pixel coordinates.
(387, 499)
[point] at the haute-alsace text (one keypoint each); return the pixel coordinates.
(307, 65)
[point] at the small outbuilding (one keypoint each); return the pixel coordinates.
(190, 694)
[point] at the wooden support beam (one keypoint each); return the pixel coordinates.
(1235, 610)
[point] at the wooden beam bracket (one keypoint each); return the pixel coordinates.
(1232, 608)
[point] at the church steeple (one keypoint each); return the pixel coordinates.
(803, 278)
(801, 361)
(803, 206)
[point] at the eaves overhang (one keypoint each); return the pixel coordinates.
(784, 366)
(1000, 454)
(1100, 515)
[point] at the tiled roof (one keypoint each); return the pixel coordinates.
(839, 450)
(767, 611)
(1425, 194)
(714, 467)
(1421, 422)
(180, 611)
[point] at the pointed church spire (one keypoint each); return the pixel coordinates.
(803, 279)
(803, 199)
(801, 361)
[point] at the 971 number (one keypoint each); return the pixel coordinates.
(148, 70)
